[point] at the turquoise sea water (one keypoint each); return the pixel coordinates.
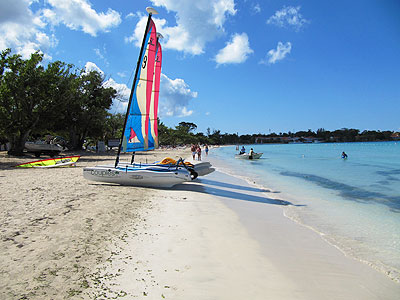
(353, 203)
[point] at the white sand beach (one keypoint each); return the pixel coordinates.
(55, 225)
(218, 237)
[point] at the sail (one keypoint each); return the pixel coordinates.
(136, 133)
(153, 136)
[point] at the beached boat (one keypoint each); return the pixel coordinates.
(203, 168)
(42, 147)
(141, 176)
(196, 169)
(65, 161)
(140, 132)
(247, 156)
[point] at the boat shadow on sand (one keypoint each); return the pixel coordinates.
(207, 188)
(235, 186)
(241, 193)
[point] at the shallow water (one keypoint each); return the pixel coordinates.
(354, 203)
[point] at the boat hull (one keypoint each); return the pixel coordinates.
(43, 148)
(202, 169)
(51, 162)
(145, 177)
(247, 156)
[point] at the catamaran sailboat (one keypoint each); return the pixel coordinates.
(140, 131)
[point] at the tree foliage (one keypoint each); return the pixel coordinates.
(35, 99)
(25, 97)
(186, 127)
(177, 136)
(86, 110)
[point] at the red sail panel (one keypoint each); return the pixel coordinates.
(153, 137)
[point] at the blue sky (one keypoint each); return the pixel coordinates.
(247, 66)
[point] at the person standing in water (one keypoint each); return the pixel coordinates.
(251, 153)
(206, 149)
(344, 155)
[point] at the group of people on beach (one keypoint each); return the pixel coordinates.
(196, 149)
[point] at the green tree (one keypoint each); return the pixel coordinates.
(113, 126)
(26, 96)
(165, 135)
(186, 127)
(215, 138)
(86, 114)
(35, 99)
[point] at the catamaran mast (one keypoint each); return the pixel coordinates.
(151, 11)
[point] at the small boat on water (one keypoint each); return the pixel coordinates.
(248, 156)
(65, 161)
(140, 132)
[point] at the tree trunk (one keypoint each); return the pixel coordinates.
(80, 144)
(75, 140)
(17, 143)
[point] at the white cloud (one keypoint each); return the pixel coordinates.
(25, 31)
(15, 11)
(185, 112)
(121, 74)
(102, 54)
(175, 96)
(137, 36)
(21, 29)
(288, 17)
(98, 53)
(130, 15)
(277, 54)
(121, 88)
(119, 104)
(197, 23)
(79, 15)
(90, 66)
(236, 51)
(220, 7)
(257, 8)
